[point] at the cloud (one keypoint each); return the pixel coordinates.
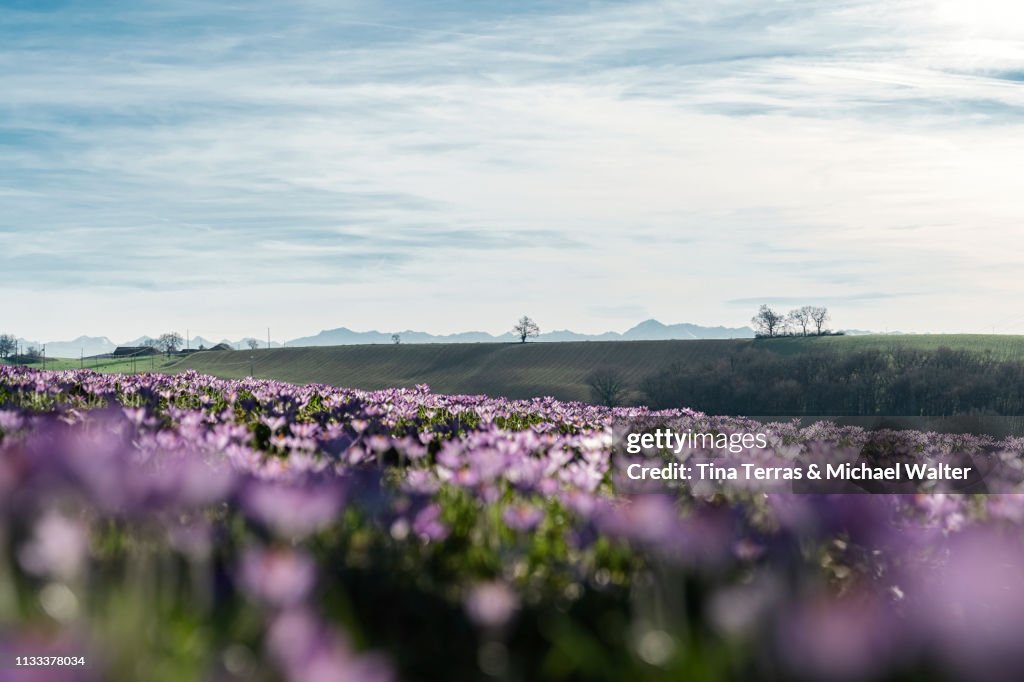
(833, 299)
(567, 158)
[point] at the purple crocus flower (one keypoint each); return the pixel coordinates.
(971, 605)
(428, 524)
(491, 605)
(308, 651)
(522, 516)
(58, 547)
(848, 638)
(281, 578)
(295, 509)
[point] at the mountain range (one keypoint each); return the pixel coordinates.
(649, 330)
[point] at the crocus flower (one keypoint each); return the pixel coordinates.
(281, 578)
(491, 604)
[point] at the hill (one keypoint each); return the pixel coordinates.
(538, 369)
(512, 370)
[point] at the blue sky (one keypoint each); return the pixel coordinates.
(450, 166)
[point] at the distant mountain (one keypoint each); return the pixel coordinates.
(243, 344)
(864, 332)
(196, 341)
(87, 345)
(652, 330)
(141, 341)
(343, 336)
(649, 330)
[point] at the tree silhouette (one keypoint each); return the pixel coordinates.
(526, 328)
(767, 321)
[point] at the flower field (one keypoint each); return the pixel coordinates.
(186, 527)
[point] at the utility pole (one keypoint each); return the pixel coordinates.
(268, 338)
(44, 358)
(81, 362)
(187, 339)
(250, 365)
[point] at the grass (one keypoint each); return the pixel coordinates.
(510, 370)
(515, 370)
(153, 363)
(536, 369)
(1001, 346)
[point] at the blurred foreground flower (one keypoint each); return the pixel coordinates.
(281, 578)
(491, 605)
(58, 548)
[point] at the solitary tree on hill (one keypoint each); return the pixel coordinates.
(526, 328)
(169, 342)
(253, 344)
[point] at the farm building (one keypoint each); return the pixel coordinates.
(222, 346)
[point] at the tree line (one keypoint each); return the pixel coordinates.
(809, 320)
(896, 382)
(10, 349)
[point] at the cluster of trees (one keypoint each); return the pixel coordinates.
(809, 320)
(608, 387)
(8, 345)
(897, 382)
(11, 350)
(168, 343)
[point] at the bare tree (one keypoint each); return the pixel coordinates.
(253, 344)
(801, 318)
(8, 345)
(819, 315)
(767, 321)
(607, 386)
(396, 339)
(526, 328)
(169, 342)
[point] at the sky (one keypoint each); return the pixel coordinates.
(444, 166)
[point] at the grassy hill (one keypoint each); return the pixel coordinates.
(151, 363)
(538, 369)
(510, 370)
(1001, 346)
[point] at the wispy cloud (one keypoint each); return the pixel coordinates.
(446, 166)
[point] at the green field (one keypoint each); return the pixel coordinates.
(509, 370)
(153, 363)
(537, 369)
(1001, 346)
(516, 370)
